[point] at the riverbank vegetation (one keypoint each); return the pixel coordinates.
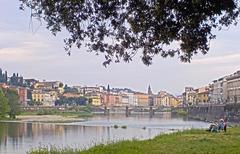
(78, 111)
(190, 142)
(181, 112)
(9, 104)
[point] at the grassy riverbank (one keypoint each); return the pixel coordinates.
(189, 142)
(56, 112)
(52, 115)
(181, 112)
(80, 111)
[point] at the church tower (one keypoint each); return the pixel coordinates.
(150, 97)
(149, 90)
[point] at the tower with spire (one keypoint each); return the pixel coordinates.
(149, 90)
(150, 96)
(108, 88)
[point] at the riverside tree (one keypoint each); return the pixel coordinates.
(13, 101)
(121, 28)
(4, 107)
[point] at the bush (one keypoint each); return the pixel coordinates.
(124, 127)
(47, 112)
(115, 126)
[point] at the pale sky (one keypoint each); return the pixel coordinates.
(36, 53)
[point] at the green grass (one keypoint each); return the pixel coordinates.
(5, 118)
(187, 142)
(28, 113)
(181, 112)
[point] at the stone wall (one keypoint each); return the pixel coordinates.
(229, 112)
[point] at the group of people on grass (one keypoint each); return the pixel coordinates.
(218, 126)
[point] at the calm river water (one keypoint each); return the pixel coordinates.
(17, 138)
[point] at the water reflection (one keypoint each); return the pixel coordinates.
(20, 137)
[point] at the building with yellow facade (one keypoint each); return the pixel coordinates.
(142, 99)
(45, 98)
(174, 102)
(95, 100)
(202, 95)
(165, 99)
(49, 86)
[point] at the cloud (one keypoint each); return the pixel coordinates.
(20, 46)
(223, 59)
(13, 54)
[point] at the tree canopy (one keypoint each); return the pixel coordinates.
(14, 104)
(121, 28)
(9, 103)
(4, 107)
(72, 101)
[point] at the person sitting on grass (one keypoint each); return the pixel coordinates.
(225, 127)
(216, 127)
(222, 125)
(213, 127)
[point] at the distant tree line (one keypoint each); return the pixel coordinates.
(72, 101)
(34, 103)
(9, 103)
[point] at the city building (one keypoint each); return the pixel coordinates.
(45, 98)
(3, 77)
(180, 100)
(128, 99)
(49, 86)
(233, 88)
(164, 99)
(189, 96)
(150, 97)
(85, 90)
(142, 99)
(16, 80)
(79, 88)
(22, 93)
(202, 95)
(158, 98)
(72, 94)
(30, 82)
(217, 88)
(95, 100)
(121, 90)
(174, 102)
(111, 99)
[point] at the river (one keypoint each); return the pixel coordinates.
(17, 138)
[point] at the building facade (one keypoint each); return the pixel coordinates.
(3, 77)
(95, 100)
(202, 95)
(142, 99)
(233, 88)
(111, 99)
(22, 93)
(189, 96)
(49, 86)
(45, 98)
(216, 95)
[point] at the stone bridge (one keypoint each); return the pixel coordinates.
(128, 110)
